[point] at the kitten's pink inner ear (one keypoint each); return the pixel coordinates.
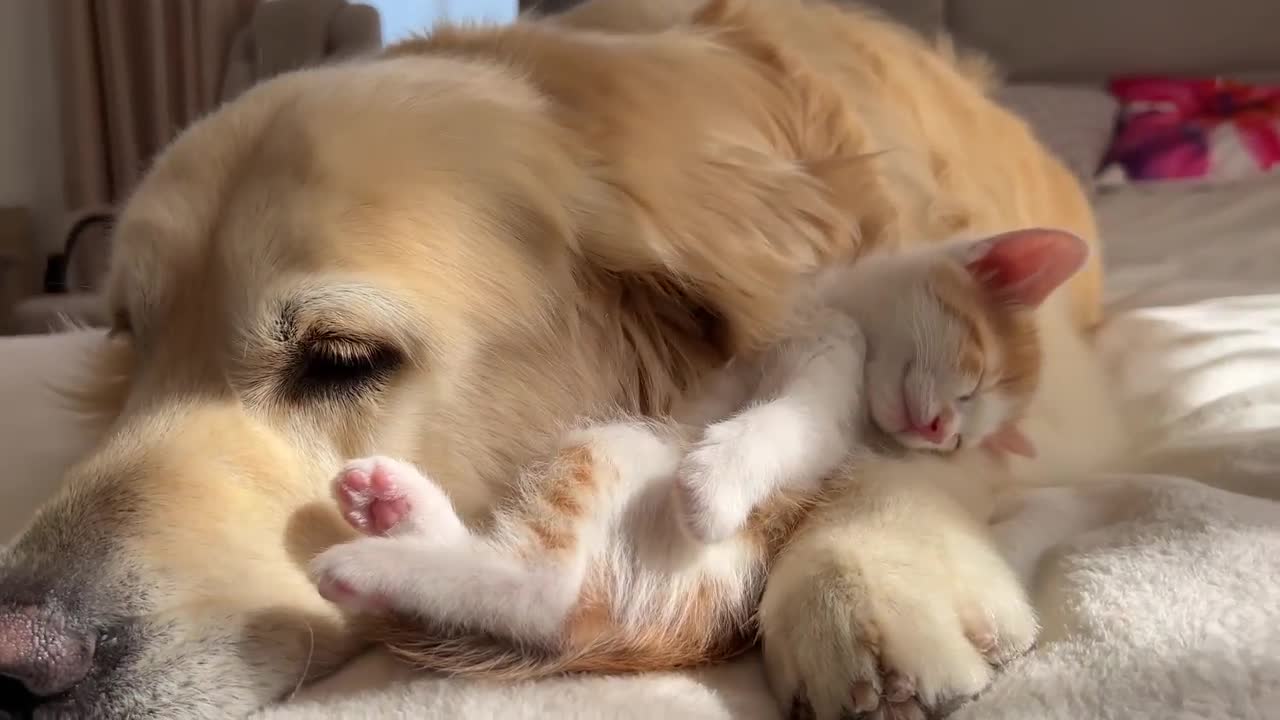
(1025, 266)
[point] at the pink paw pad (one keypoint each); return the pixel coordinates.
(371, 500)
(340, 592)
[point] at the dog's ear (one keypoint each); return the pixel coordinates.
(724, 228)
(99, 391)
(729, 244)
(733, 230)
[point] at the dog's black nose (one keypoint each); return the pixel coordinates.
(39, 649)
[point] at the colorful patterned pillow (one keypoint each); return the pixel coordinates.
(1207, 129)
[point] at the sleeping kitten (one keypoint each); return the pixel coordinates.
(587, 568)
(920, 333)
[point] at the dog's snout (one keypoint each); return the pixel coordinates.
(40, 649)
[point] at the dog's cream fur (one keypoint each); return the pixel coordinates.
(530, 224)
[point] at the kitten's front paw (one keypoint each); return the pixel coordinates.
(382, 496)
(848, 634)
(713, 483)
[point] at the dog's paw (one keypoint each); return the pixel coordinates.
(851, 638)
(714, 485)
(381, 496)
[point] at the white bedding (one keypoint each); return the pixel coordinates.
(1160, 595)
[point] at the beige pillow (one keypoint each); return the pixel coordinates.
(1074, 121)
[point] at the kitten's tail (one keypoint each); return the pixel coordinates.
(462, 654)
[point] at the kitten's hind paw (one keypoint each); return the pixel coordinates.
(367, 575)
(381, 496)
(344, 594)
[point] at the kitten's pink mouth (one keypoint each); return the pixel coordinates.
(935, 430)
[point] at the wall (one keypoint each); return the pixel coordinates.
(30, 157)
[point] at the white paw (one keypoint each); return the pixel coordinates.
(848, 633)
(383, 496)
(365, 575)
(711, 505)
(471, 584)
(714, 484)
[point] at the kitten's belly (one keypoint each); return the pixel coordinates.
(664, 595)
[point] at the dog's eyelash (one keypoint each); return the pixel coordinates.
(338, 367)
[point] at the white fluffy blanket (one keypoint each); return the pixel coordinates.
(1160, 598)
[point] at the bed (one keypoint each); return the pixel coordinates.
(1159, 594)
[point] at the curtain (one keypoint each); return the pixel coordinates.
(132, 74)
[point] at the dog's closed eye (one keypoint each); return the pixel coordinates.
(338, 365)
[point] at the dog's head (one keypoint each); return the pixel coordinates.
(373, 256)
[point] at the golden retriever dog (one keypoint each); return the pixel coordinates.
(447, 253)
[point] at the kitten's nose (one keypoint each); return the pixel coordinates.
(935, 429)
(39, 650)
